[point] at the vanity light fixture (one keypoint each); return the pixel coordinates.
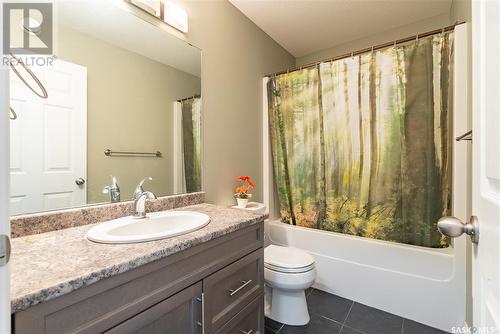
(152, 7)
(175, 16)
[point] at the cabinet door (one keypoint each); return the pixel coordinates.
(249, 321)
(180, 313)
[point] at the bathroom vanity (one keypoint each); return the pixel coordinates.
(207, 281)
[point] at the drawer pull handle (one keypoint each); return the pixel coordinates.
(245, 283)
(249, 332)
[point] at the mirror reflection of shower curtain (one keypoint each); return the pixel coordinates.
(191, 143)
(362, 145)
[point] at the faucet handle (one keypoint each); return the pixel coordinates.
(149, 195)
(139, 190)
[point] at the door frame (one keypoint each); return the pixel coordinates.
(178, 178)
(4, 189)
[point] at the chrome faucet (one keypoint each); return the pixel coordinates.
(139, 190)
(113, 191)
(140, 198)
(140, 204)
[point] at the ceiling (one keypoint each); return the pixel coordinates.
(129, 32)
(306, 26)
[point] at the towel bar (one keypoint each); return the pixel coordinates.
(109, 153)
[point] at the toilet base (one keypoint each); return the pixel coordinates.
(287, 307)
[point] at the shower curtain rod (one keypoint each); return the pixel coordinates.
(189, 98)
(370, 49)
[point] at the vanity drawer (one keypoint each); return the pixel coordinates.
(249, 321)
(229, 290)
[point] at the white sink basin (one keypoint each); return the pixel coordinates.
(157, 225)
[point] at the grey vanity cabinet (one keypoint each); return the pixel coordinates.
(163, 296)
(181, 313)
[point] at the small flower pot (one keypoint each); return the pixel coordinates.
(242, 202)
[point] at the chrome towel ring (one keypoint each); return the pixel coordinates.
(43, 93)
(13, 115)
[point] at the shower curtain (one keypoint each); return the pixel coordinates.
(362, 145)
(191, 142)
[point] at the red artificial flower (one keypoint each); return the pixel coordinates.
(242, 189)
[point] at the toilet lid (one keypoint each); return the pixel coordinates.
(287, 259)
(289, 270)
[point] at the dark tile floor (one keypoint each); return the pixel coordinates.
(333, 315)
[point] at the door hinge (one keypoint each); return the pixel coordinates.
(4, 249)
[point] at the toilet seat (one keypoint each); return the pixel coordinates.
(287, 259)
(289, 270)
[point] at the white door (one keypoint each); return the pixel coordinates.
(48, 140)
(486, 164)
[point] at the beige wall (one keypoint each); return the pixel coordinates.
(236, 55)
(432, 23)
(461, 10)
(130, 108)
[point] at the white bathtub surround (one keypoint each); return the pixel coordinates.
(288, 272)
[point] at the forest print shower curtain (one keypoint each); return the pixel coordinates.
(363, 145)
(191, 142)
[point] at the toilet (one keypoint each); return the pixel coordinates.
(288, 272)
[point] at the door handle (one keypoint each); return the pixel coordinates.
(242, 286)
(201, 321)
(4, 249)
(454, 227)
(80, 181)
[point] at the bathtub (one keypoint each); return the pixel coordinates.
(417, 283)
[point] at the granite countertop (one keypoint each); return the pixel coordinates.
(45, 266)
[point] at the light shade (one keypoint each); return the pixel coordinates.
(175, 16)
(150, 6)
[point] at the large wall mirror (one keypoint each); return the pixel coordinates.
(123, 104)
